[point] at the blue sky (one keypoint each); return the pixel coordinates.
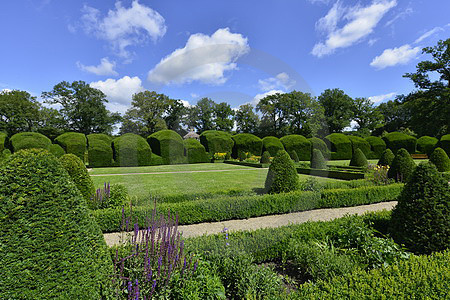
(233, 51)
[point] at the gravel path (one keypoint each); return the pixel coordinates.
(178, 172)
(266, 221)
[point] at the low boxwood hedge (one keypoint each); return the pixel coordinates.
(74, 143)
(100, 153)
(345, 175)
(339, 145)
(247, 143)
(272, 144)
(131, 150)
(169, 145)
(216, 141)
(360, 143)
(299, 144)
(426, 144)
(29, 140)
(377, 146)
(397, 140)
(444, 143)
(195, 151)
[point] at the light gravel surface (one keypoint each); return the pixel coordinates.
(273, 221)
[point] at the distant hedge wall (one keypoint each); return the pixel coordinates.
(377, 146)
(319, 144)
(57, 150)
(195, 152)
(28, 140)
(73, 142)
(359, 142)
(444, 143)
(169, 145)
(100, 153)
(3, 140)
(131, 150)
(339, 145)
(246, 142)
(299, 144)
(398, 140)
(426, 144)
(272, 144)
(216, 141)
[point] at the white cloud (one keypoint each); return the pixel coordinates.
(282, 80)
(353, 126)
(428, 34)
(262, 95)
(402, 15)
(124, 27)
(204, 58)
(371, 42)
(194, 95)
(396, 56)
(381, 98)
(361, 22)
(186, 103)
(105, 68)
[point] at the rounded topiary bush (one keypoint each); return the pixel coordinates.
(29, 140)
(79, 174)
(440, 159)
(339, 145)
(421, 219)
(360, 143)
(265, 158)
(216, 141)
(386, 159)
(444, 143)
(169, 145)
(246, 142)
(272, 144)
(402, 166)
(397, 140)
(56, 150)
(294, 156)
(317, 160)
(131, 150)
(195, 151)
(299, 144)
(359, 159)
(426, 144)
(51, 246)
(377, 146)
(319, 144)
(282, 176)
(3, 141)
(100, 153)
(73, 142)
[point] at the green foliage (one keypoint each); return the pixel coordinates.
(317, 160)
(56, 150)
(4, 155)
(223, 117)
(195, 151)
(242, 156)
(440, 159)
(386, 159)
(339, 145)
(359, 143)
(282, 176)
(156, 160)
(51, 246)
(19, 112)
(338, 108)
(359, 159)
(319, 144)
(28, 140)
(246, 119)
(169, 145)
(377, 146)
(246, 142)
(265, 158)
(3, 140)
(398, 140)
(73, 142)
(216, 141)
(100, 152)
(444, 143)
(131, 150)
(426, 144)
(272, 144)
(422, 216)
(299, 144)
(79, 174)
(293, 156)
(402, 166)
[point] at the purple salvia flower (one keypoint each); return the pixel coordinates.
(129, 289)
(195, 267)
(136, 290)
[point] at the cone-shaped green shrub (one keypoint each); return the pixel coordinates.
(51, 246)
(359, 159)
(377, 146)
(386, 159)
(56, 150)
(402, 166)
(317, 160)
(100, 153)
(426, 144)
(319, 144)
(440, 159)
(131, 150)
(29, 140)
(79, 174)
(265, 158)
(421, 219)
(195, 151)
(73, 142)
(293, 155)
(299, 144)
(272, 144)
(282, 176)
(169, 145)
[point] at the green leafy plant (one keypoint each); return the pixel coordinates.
(293, 156)
(282, 175)
(359, 159)
(79, 174)
(440, 159)
(265, 158)
(402, 166)
(317, 160)
(386, 159)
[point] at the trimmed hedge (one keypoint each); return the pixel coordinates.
(317, 160)
(74, 143)
(131, 150)
(319, 144)
(29, 140)
(402, 166)
(386, 159)
(265, 158)
(56, 150)
(360, 143)
(195, 151)
(359, 159)
(79, 174)
(426, 144)
(3, 141)
(272, 144)
(156, 160)
(51, 246)
(299, 144)
(282, 176)
(169, 145)
(344, 175)
(246, 142)
(100, 153)
(216, 141)
(244, 163)
(444, 143)
(440, 159)
(339, 145)
(377, 146)
(397, 140)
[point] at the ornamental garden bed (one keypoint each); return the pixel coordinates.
(344, 175)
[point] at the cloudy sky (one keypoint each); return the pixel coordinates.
(234, 51)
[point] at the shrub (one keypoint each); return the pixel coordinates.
(110, 196)
(282, 175)
(360, 143)
(444, 143)
(426, 144)
(79, 174)
(56, 150)
(131, 150)
(3, 141)
(242, 156)
(293, 156)
(272, 144)
(402, 166)
(386, 159)
(29, 140)
(359, 159)
(100, 153)
(319, 144)
(73, 142)
(195, 152)
(421, 218)
(216, 141)
(377, 146)
(265, 158)
(339, 145)
(156, 160)
(397, 140)
(248, 143)
(299, 144)
(440, 159)
(51, 246)
(317, 160)
(169, 145)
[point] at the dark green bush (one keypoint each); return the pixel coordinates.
(339, 145)
(74, 143)
(156, 160)
(293, 156)
(359, 159)
(79, 174)
(248, 143)
(100, 153)
(242, 156)
(319, 144)
(265, 158)
(216, 141)
(444, 143)
(195, 152)
(299, 144)
(397, 140)
(56, 150)
(282, 176)
(402, 166)
(422, 216)
(3, 141)
(377, 146)
(426, 144)
(169, 145)
(131, 150)
(440, 159)
(386, 159)
(272, 144)
(51, 246)
(360, 143)
(317, 160)
(29, 140)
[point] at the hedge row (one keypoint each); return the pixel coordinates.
(247, 164)
(131, 150)
(216, 141)
(345, 175)
(319, 144)
(426, 144)
(360, 143)
(195, 152)
(74, 143)
(444, 143)
(272, 144)
(299, 144)
(397, 140)
(246, 142)
(100, 153)
(340, 146)
(377, 146)
(169, 145)
(28, 140)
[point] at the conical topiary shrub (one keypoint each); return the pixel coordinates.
(317, 160)
(51, 247)
(359, 159)
(282, 175)
(265, 158)
(386, 159)
(79, 174)
(421, 219)
(294, 156)
(402, 166)
(440, 159)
